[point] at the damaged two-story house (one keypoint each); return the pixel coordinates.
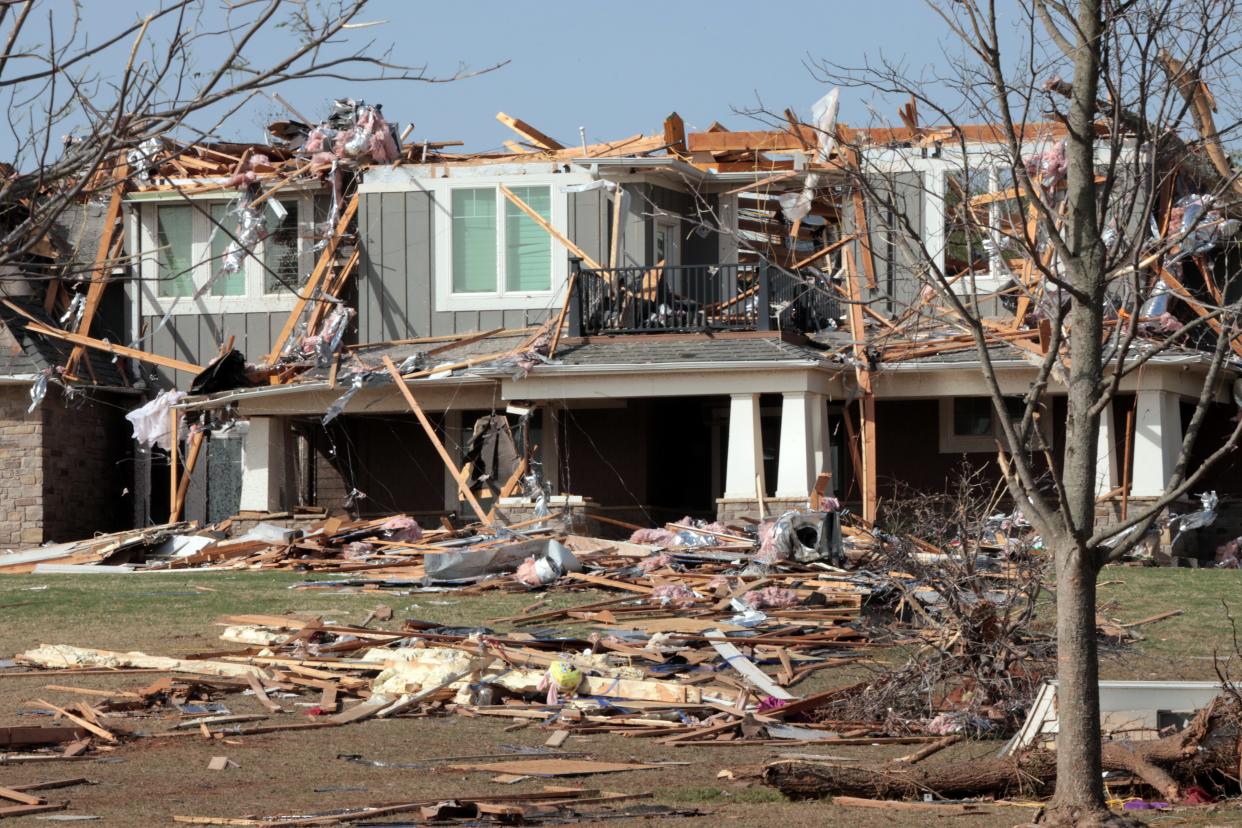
(711, 323)
(709, 353)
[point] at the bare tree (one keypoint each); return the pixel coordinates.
(1087, 167)
(183, 69)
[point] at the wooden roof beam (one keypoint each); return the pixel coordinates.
(529, 133)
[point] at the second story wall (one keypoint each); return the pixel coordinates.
(451, 254)
(178, 257)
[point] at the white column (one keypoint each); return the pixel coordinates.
(1106, 477)
(795, 470)
(263, 465)
(454, 437)
(745, 448)
(1157, 442)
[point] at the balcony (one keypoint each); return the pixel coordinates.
(697, 298)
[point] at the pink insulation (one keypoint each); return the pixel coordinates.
(402, 528)
(771, 598)
(654, 537)
(655, 562)
(675, 594)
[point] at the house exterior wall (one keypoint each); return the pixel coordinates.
(196, 338)
(396, 276)
(908, 448)
(21, 469)
(396, 285)
(894, 252)
(61, 469)
(85, 451)
(388, 459)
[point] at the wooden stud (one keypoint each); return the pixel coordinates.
(35, 326)
(321, 269)
(196, 443)
(528, 132)
(102, 259)
(462, 484)
(556, 234)
(675, 135)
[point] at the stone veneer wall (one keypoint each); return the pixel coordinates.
(63, 470)
(21, 469)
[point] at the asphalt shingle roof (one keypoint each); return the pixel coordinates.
(23, 353)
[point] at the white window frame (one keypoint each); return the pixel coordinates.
(952, 443)
(441, 190)
(254, 299)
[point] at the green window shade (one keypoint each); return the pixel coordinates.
(280, 252)
(224, 284)
(173, 237)
(528, 247)
(474, 240)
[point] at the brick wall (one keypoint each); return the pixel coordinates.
(62, 469)
(21, 469)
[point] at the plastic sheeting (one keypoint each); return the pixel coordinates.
(338, 405)
(151, 421)
(1202, 225)
(38, 391)
(796, 206)
(469, 565)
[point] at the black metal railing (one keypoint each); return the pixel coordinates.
(690, 298)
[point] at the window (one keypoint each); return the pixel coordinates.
(969, 425)
(528, 247)
(478, 240)
(225, 284)
(173, 238)
(282, 249)
(187, 252)
(984, 213)
(488, 253)
(474, 240)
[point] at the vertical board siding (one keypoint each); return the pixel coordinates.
(419, 274)
(391, 261)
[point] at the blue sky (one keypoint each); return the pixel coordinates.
(615, 69)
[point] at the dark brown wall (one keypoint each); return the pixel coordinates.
(604, 454)
(908, 447)
(389, 459)
(87, 469)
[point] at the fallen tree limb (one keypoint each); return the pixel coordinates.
(1209, 744)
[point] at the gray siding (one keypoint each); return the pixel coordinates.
(196, 338)
(396, 291)
(590, 224)
(396, 285)
(895, 253)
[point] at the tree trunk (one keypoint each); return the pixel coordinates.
(1209, 745)
(1078, 686)
(1079, 797)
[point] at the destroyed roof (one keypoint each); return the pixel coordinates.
(23, 354)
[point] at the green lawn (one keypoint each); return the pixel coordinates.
(146, 783)
(173, 614)
(1181, 647)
